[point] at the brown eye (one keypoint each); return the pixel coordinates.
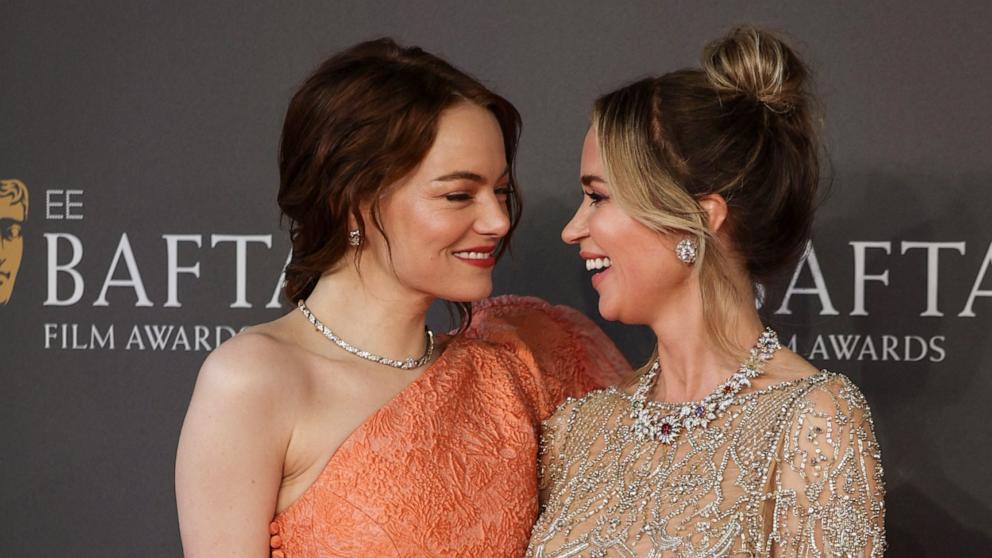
(457, 197)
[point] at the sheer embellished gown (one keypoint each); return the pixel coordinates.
(449, 466)
(791, 470)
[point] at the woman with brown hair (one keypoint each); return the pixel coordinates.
(698, 185)
(346, 427)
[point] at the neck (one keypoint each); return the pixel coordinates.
(371, 312)
(693, 361)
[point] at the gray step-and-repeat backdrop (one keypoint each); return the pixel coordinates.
(145, 135)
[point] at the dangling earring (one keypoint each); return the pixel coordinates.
(685, 250)
(355, 237)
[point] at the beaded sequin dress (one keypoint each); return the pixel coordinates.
(790, 470)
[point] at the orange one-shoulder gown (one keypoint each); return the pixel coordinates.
(449, 466)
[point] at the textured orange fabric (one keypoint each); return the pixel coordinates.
(449, 466)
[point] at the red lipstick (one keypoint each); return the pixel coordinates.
(487, 262)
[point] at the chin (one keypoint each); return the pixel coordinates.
(611, 311)
(468, 293)
(608, 311)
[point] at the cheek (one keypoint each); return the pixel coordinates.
(622, 238)
(645, 266)
(656, 258)
(422, 242)
(606, 228)
(640, 274)
(418, 230)
(432, 235)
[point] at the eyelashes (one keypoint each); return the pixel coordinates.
(594, 198)
(457, 197)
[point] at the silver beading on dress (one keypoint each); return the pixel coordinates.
(407, 364)
(789, 470)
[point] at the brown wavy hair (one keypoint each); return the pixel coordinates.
(744, 126)
(364, 119)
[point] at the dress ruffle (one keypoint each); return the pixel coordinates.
(566, 352)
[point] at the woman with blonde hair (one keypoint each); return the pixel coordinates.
(699, 185)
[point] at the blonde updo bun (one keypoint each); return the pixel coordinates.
(742, 126)
(757, 64)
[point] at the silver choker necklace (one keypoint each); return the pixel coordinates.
(650, 424)
(406, 364)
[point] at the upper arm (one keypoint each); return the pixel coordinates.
(828, 484)
(230, 458)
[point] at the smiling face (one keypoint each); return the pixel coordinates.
(634, 268)
(446, 218)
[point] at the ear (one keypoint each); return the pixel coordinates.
(365, 210)
(716, 211)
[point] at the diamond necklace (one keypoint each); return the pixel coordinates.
(650, 424)
(406, 364)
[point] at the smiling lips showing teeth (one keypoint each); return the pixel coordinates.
(595, 264)
(599, 267)
(479, 256)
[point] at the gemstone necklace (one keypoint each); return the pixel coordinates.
(650, 424)
(408, 364)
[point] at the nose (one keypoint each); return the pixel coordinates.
(493, 219)
(577, 228)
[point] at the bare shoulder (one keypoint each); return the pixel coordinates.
(232, 449)
(256, 363)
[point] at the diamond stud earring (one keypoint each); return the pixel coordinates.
(685, 250)
(355, 237)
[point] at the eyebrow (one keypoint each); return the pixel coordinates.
(468, 175)
(588, 179)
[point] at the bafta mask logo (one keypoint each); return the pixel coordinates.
(13, 213)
